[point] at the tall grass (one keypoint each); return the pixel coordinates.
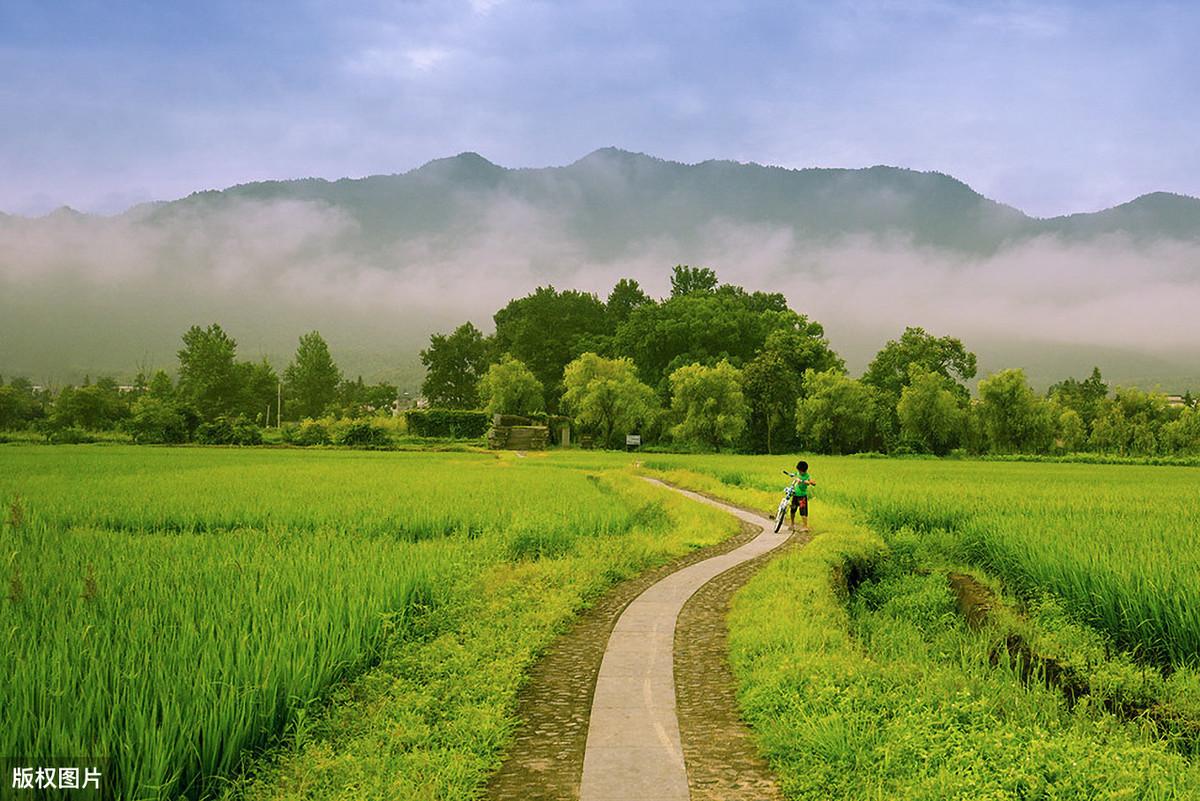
(168, 609)
(1117, 543)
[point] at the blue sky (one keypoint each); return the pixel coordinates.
(1051, 107)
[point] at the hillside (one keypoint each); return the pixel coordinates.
(376, 263)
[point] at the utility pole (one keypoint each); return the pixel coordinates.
(279, 404)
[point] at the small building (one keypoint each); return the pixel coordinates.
(1176, 401)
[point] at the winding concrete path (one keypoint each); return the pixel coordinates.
(633, 750)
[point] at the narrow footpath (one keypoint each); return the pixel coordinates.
(653, 671)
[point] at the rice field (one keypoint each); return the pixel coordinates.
(178, 610)
(1118, 544)
(170, 609)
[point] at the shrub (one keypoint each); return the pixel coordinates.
(448, 423)
(311, 432)
(226, 431)
(364, 434)
(157, 421)
(70, 435)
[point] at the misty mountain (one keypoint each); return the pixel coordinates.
(613, 200)
(378, 263)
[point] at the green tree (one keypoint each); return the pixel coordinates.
(1131, 422)
(14, 408)
(706, 328)
(1182, 435)
(1015, 419)
(207, 371)
(454, 363)
(358, 399)
(838, 414)
(509, 387)
(889, 371)
(312, 379)
(547, 329)
(161, 386)
(709, 403)
(626, 296)
(930, 413)
(1084, 397)
(801, 343)
(94, 407)
(606, 395)
(685, 280)
(258, 390)
(771, 388)
(158, 420)
(1072, 432)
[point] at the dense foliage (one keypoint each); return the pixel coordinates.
(618, 366)
(448, 423)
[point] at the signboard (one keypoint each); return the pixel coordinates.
(633, 440)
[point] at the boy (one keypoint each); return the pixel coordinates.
(800, 484)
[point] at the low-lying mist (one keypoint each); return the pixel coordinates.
(81, 294)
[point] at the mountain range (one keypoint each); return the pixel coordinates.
(615, 199)
(377, 263)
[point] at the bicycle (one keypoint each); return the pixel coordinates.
(788, 492)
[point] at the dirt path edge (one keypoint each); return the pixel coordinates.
(544, 761)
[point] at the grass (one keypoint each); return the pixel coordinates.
(430, 721)
(174, 610)
(1114, 543)
(277, 624)
(882, 691)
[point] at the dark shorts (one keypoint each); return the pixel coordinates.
(800, 503)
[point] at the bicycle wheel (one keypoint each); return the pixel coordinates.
(780, 515)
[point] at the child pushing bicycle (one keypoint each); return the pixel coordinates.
(801, 481)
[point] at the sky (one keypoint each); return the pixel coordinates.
(1050, 107)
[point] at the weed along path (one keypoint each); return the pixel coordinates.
(635, 738)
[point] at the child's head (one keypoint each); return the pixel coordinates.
(802, 467)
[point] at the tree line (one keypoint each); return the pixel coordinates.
(215, 397)
(713, 366)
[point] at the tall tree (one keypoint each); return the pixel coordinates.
(771, 388)
(13, 409)
(931, 415)
(312, 379)
(1182, 435)
(705, 328)
(509, 387)
(606, 395)
(944, 356)
(685, 280)
(207, 371)
(1083, 397)
(801, 343)
(454, 363)
(709, 403)
(258, 390)
(1015, 419)
(837, 414)
(547, 329)
(626, 296)
(1132, 421)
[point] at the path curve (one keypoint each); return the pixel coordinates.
(633, 750)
